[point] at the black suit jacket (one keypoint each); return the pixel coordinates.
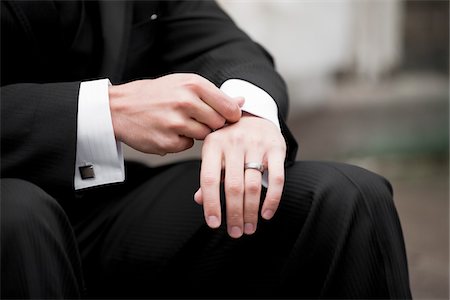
(48, 47)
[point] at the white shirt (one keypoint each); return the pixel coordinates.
(96, 143)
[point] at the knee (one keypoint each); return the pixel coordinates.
(338, 186)
(24, 207)
(365, 181)
(362, 187)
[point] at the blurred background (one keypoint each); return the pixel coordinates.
(369, 85)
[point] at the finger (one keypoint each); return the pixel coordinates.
(234, 191)
(193, 129)
(252, 198)
(205, 114)
(219, 101)
(210, 184)
(276, 184)
(252, 194)
(198, 195)
(176, 144)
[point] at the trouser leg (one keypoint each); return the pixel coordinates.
(39, 256)
(336, 234)
(351, 243)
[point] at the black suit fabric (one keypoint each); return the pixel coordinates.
(187, 36)
(336, 233)
(39, 257)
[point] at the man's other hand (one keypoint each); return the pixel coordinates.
(166, 114)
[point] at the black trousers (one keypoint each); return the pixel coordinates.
(336, 235)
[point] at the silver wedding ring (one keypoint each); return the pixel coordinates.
(256, 166)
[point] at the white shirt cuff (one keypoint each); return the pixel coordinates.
(97, 148)
(257, 101)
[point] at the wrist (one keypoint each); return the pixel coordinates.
(247, 115)
(116, 106)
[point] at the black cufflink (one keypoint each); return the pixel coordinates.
(87, 172)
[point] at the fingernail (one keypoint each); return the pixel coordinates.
(267, 214)
(241, 101)
(213, 222)
(235, 232)
(248, 228)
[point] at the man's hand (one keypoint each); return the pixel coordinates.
(166, 114)
(252, 139)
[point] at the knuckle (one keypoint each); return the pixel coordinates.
(218, 123)
(159, 148)
(258, 143)
(234, 217)
(279, 147)
(160, 151)
(252, 187)
(237, 138)
(278, 179)
(209, 180)
(210, 206)
(188, 144)
(176, 124)
(201, 135)
(272, 202)
(184, 104)
(207, 131)
(193, 80)
(251, 213)
(234, 187)
(168, 144)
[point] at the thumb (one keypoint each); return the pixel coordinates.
(198, 197)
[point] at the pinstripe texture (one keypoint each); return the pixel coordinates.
(35, 117)
(336, 235)
(39, 255)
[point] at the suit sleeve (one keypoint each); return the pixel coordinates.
(198, 37)
(38, 134)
